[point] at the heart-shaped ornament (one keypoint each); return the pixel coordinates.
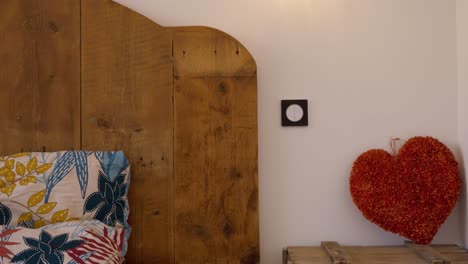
(410, 193)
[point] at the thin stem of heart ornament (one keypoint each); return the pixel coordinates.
(393, 142)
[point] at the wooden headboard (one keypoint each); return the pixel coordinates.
(181, 102)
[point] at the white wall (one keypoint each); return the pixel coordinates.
(371, 69)
(462, 26)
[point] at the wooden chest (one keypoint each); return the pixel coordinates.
(332, 252)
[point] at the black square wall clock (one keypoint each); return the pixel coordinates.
(294, 113)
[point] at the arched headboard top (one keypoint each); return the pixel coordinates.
(180, 101)
(213, 53)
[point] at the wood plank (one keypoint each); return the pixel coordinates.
(285, 256)
(208, 52)
(307, 255)
(336, 253)
(39, 75)
(383, 255)
(127, 104)
(216, 188)
(429, 254)
(448, 249)
(215, 151)
(454, 253)
(376, 255)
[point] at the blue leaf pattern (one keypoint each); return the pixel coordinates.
(109, 202)
(48, 249)
(112, 163)
(81, 160)
(99, 156)
(5, 215)
(27, 224)
(63, 166)
(103, 180)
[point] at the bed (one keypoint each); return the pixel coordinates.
(180, 102)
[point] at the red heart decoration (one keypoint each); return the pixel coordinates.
(411, 193)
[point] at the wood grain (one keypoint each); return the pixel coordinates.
(39, 75)
(208, 52)
(215, 150)
(383, 255)
(336, 253)
(427, 253)
(114, 80)
(127, 104)
(455, 254)
(306, 255)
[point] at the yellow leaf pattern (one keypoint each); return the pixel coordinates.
(23, 182)
(10, 164)
(39, 223)
(44, 168)
(3, 171)
(36, 198)
(10, 176)
(9, 189)
(32, 179)
(32, 164)
(29, 172)
(19, 155)
(59, 216)
(46, 208)
(20, 169)
(25, 217)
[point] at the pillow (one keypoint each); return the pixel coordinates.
(37, 189)
(87, 241)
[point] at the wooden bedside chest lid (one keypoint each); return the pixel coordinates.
(332, 252)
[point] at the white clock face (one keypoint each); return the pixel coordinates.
(294, 113)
